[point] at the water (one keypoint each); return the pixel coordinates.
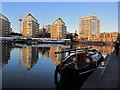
(34, 66)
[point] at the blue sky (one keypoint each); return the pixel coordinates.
(48, 12)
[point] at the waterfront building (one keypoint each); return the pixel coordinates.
(30, 26)
(48, 28)
(108, 37)
(42, 30)
(72, 36)
(89, 27)
(44, 33)
(5, 28)
(58, 29)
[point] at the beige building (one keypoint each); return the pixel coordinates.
(30, 26)
(89, 27)
(5, 28)
(58, 29)
(108, 37)
(48, 28)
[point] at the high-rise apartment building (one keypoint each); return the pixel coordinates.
(30, 26)
(5, 28)
(48, 28)
(58, 29)
(89, 27)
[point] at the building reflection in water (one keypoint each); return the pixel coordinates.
(44, 51)
(29, 56)
(106, 49)
(48, 52)
(56, 58)
(5, 54)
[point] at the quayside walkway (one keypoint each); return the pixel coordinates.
(106, 75)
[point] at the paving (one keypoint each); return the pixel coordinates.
(106, 75)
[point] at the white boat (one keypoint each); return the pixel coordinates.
(53, 41)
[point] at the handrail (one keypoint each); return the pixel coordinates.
(85, 48)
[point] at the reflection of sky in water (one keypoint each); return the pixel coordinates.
(40, 74)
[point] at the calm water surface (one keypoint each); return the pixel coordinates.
(34, 66)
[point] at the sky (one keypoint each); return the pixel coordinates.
(48, 12)
(60, 0)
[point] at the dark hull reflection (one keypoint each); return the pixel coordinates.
(72, 81)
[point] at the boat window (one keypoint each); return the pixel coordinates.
(74, 59)
(87, 60)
